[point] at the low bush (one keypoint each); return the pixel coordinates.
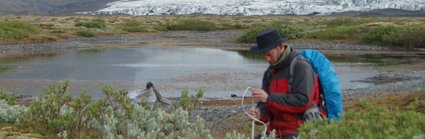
(187, 102)
(15, 29)
(398, 36)
(229, 25)
(135, 26)
(337, 33)
(369, 122)
(286, 31)
(86, 33)
(11, 113)
(8, 97)
(192, 25)
(97, 23)
(375, 35)
(58, 115)
(342, 21)
(46, 114)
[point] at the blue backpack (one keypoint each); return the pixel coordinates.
(330, 92)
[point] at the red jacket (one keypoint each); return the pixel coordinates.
(284, 109)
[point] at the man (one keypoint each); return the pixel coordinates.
(282, 104)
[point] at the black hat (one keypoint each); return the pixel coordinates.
(266, 40)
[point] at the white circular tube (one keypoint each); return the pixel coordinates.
(250, 116)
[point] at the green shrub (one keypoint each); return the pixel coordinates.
(286, 31)
(376, 34)
(249, 36)
(135, 26)
(227, 25)
(187, 102)
(113, 116)
(97, 23)
(8, 97)
(14, 29)
(45, 114)
(337, 33)
(398, 36)
(86, 33)
(192, 25)
(371, 122)
(341, 21)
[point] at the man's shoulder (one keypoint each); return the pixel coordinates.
(301, 63)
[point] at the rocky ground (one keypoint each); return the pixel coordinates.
(227, 115)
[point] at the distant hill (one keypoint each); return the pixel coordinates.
(381, 12)
(50, 7)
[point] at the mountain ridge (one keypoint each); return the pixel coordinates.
(217, 7)
(50, 7)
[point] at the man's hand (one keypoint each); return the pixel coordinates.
(255, 112)
(259, 95)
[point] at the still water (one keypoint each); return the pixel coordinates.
(218, 72)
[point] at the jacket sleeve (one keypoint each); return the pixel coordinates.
(261, 105)
(300, 98)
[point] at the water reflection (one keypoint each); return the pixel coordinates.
(25, 57)
(219, 72)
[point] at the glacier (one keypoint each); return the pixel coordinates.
(254, 7)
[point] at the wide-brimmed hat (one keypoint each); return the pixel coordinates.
(266, 40)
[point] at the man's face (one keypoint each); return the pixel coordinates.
(272, 56)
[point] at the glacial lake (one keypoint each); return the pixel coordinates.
(218, 72)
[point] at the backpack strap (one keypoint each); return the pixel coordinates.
(291, 73)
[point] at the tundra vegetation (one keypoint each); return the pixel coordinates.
(56, 114)
(399, 32)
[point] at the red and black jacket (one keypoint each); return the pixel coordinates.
(284, 109)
